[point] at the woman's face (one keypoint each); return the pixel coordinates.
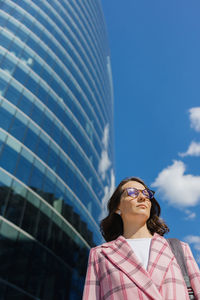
(134, 208)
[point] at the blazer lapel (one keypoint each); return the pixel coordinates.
(120, 254)
(159, 259)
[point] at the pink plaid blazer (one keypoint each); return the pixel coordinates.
(114, 273)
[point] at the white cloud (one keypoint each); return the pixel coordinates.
(104, 162)
(193, 239)
(108, 191)
(193, 150)
(190, 215)
(176, 187)
(195, 118)
(106, 136)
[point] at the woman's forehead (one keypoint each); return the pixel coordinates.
(133, 184)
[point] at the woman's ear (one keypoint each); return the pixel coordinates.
(118, 211)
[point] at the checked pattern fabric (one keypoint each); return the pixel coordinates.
(114, 273)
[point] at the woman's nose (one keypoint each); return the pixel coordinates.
(141, 196)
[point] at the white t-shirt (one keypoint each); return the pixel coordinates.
(141, 248)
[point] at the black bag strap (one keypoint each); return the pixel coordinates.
(177, 250)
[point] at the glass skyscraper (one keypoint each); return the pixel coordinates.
(56, 144)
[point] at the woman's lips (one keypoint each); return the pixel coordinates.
(142, 205)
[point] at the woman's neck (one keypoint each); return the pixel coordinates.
(136, 232)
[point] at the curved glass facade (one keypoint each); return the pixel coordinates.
(56, 144)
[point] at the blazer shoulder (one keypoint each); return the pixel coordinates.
(104, 245)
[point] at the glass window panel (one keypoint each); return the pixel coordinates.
(32, 198)
(27, 22)
(61, 168)
(47, 123)
(5, 40)
(10, 108)
(55, 238)
(8, 236)
(46, 209)
(23, 118)
(20, 262)
(57, 220)
(52, 159)
(31, 9)
(7, 8)
(42, 94)
(18, 188)
(5, 179)
(13, 293)
(31, 139)
(3, 136)
(2, 20)
(2, 54)
(4, 193)
(57, 132)
(30, 219)
(36, 65)
(22, 34)
(8, 159)
(27, 155)
(32, 84)
(47, 76)
(37, 114)
(12, 26)
(23, 170)
(58, 204)
(42, 150)
(3, 286)
(43, 225)
(18, 129)
(14, 144)
(8, 65)
(36, 180)
(48, 190)
(9, 232)
(60, 190)
(40, 166)
(14, 209)
(37, 270)
(12, 94)
(16, 48)
(52, 103)
(3, 85)
(25, 105)
(20, 75)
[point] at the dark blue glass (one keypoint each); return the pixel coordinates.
(20, 75)
(23, 169)
(36, 180)
(31, 139)
(5, 119)
(18, 129)
(8, 159)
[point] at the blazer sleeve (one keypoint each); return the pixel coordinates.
(92, 286)
(193, 270)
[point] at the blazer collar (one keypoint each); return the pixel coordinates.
(120, 254)
(159, 259)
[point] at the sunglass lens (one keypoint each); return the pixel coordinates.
(151, 194)
(133, 192)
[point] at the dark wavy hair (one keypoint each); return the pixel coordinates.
(112, 226)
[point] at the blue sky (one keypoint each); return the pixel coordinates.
(155, 57)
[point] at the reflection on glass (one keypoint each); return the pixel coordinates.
(44, 272)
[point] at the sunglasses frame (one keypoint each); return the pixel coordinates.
(150, 193)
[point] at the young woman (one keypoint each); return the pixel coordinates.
(137, 262)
